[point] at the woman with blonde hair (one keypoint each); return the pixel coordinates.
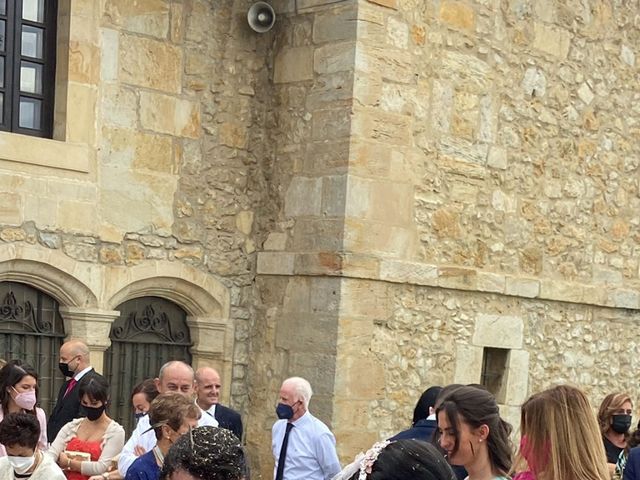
(560, 438)
(614, 419)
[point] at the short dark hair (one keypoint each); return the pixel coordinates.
(148, 388)
(206, 453)
(12, 374)
(95, 387)
(412, 459)
(20, 429)
(427, 400)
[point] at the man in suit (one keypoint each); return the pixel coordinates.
(74, 364)
(208, 395)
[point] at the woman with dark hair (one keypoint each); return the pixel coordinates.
(86, 446)
(473, 435)
(205, 453)
(141, 397)
(399, 460)
(19, 394)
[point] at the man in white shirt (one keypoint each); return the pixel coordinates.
(208, 387)
(174, 376)
(303, 446)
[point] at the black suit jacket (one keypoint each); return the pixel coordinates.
(67, 407)
(229, 419)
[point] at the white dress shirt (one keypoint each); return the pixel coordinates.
(311, 451)
(208, 417)
(147, 440)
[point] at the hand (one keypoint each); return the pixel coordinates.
(63, 460)
(139, 450)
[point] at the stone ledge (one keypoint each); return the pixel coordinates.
(367, 267)
(44, 152)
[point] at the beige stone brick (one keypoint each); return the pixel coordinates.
(388, 128)
(119, 106)
(409, 272)
(386, 3)
(84, 62)
(233, 134)
(148, 17)
(523, 287)
(457, 14)
(154, 153)
(498, 331)
(275, 241)
(468, 366)
(293, 65)
(517, 378)
(81, 109)
(551, 40)
(244, 221)
(177, 22)
(303, 197)
(109, 54)
(11, 210)
(392, 203)
(335, 25)
(77, 217)
(42, 210)
(150, 63)
(167, 114)
(272, 263)
(334, 57)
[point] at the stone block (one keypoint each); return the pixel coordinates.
(303, 197)
(13, 234)
(311, 5)
(334, 192)
(77, 217)
(356, 379)
(335, 25)
(387, 63)
(457, 278)
(397, 33)
(551, 40)
(275, 241)
(167, 114)
(233, 134)
(150, 63)
(331, 124)
(409, 272)
(81, 107)
(387, 128)
(334, 57)
(561, 291)
(457, 14)
(153, 153)
(84, 62)
(110, 46)
(475, 73)
(624, 298)
(392, 203)
(244, 221)
(497, 157)
(386, 3)
(468, 367)
(293, 65)
(271, 263)
(522, 287)
(11, 211)
(119, 106)
(498, 331)
(491, 282)
(517, 381)
(148, 17)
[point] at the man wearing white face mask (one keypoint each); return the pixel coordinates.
(19, 433)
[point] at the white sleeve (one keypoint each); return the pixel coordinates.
(146, 441)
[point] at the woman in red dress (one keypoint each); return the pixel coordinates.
(86, 446)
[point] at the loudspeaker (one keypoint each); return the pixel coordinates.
(261, 17)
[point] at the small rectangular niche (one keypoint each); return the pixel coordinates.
(495, 362)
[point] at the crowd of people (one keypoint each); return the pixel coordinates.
(184, 433)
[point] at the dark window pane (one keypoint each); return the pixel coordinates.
(1, 72)
(1, 107)
(30, 113)
(32, 41)
(3, 28)
(3, 7)
(30, 77)
(33, 10)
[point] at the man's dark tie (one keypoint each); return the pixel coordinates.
(283, 452)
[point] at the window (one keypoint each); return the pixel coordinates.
(494, 367)
(27, 66)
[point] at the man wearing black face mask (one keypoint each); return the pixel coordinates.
(74, 364)
(302, 445)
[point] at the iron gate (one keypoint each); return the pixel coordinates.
(32, 330)
(149, 332)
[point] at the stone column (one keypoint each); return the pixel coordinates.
(212, 347)
(91, 326)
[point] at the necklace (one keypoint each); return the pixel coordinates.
(159, 456)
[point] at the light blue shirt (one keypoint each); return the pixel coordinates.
(311, 451)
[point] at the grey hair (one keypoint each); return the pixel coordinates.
(173, 363)
(302, 387)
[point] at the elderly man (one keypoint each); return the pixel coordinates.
(207, 397)
(74, 364)
(174, 376)
(302, 445)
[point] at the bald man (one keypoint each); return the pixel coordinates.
(74, 364)
(207, 397)
(174, 376)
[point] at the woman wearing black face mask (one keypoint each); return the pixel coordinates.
(614, 418)
(86, 446)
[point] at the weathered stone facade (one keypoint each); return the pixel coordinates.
(369, 195)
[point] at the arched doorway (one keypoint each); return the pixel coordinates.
(149, 332)
(32, 330)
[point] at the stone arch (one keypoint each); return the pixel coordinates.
(198, 293)
(48, 270)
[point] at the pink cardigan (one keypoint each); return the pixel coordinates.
(42, 442)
